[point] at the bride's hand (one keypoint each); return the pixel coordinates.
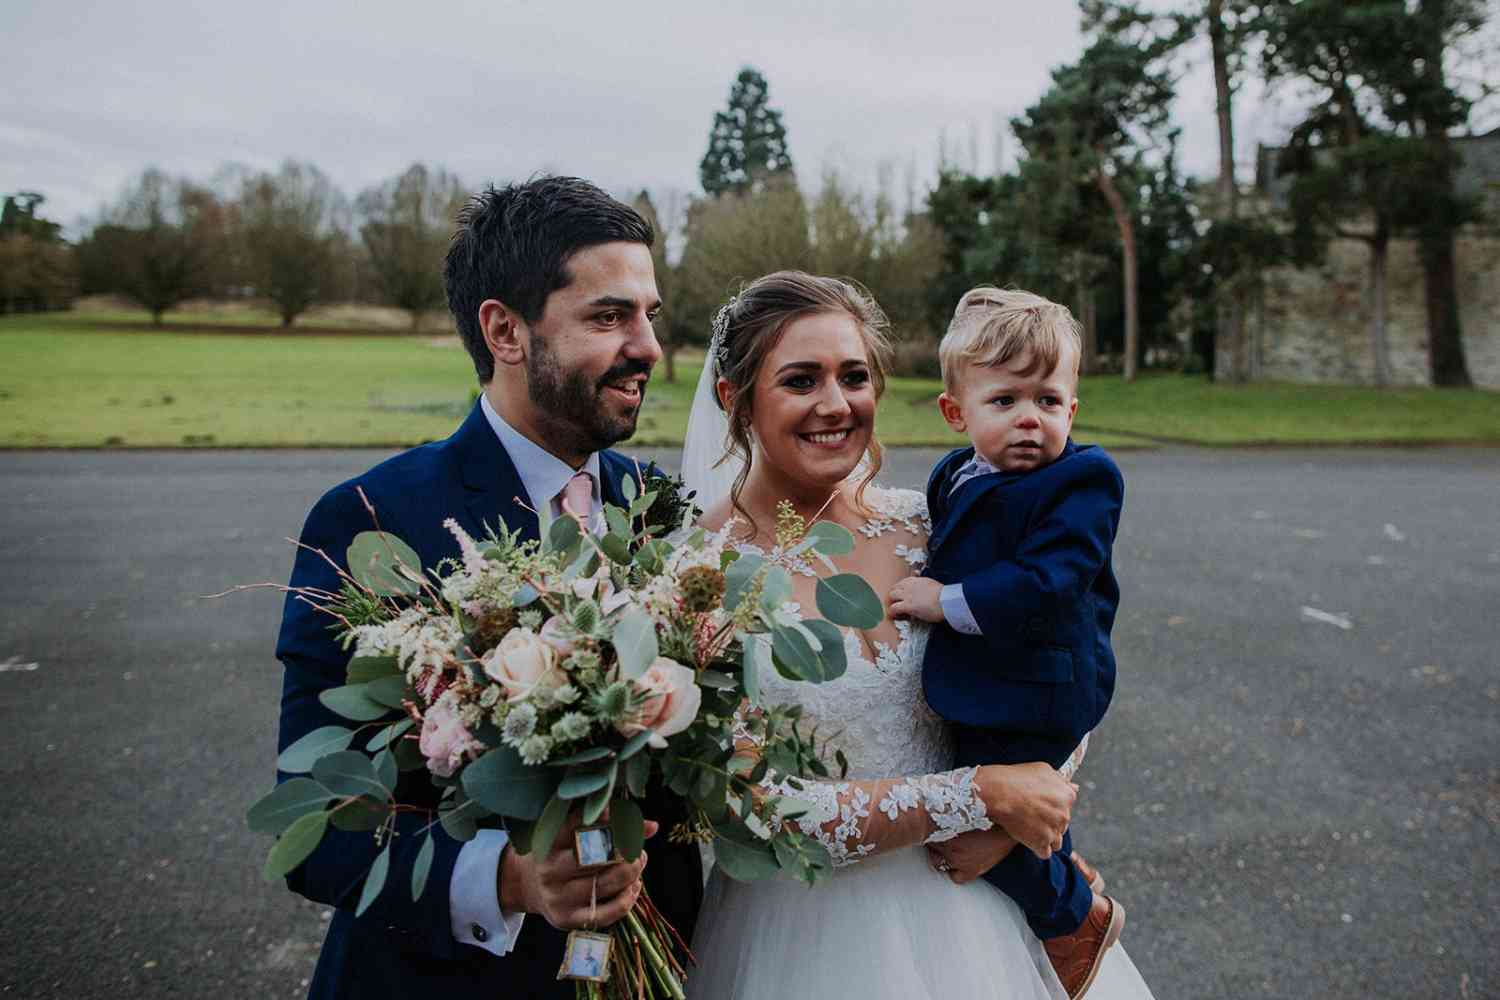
(970, 855)
(1031, 802)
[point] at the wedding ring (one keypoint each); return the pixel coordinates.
(943, 866)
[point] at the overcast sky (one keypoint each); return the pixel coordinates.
(92, 93)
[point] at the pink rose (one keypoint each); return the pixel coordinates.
(558, 634)
(444, 740)
(522, 663)
(671, 701)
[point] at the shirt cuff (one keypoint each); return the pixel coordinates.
(956, 610)
(473, 896)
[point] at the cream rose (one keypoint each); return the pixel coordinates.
(671, 700)
(522, 663)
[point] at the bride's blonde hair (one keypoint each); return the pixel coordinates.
(750, 326)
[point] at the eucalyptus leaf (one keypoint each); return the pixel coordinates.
(295, 844)
(582, 757)
(617, 548)
(563, 535)
(830, 539)
(520, 834)
(369, 668)
(618, 522)
(351, 702)
(794, 658)
(381, 562)
(386, 771)
(544, 831)
(287, 802)
(524, 595)
(300, 757)
(832, 658)
(635, 643)
(506, 786)
(596, 803)
(652, 556)
(460, 822)
(634, 744)
(350, 772)
(637, 773)
(375, 881)
(738, 577)
(629, 828)
(581, 783)
(849, 601)
(628, 487)
(742, 855)
(387, 691)
(777, 588)
(359, 815)
(386, 734)
(422, 866)
(756, 661)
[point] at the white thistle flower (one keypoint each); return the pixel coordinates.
(534, 749)
(566, 694)
(520, 724)
(573, 726)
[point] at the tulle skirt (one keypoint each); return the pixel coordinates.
(888, 927)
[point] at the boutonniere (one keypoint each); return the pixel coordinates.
(673, 505)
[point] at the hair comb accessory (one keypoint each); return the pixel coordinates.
(718, 344)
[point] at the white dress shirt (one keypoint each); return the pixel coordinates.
(473, 903)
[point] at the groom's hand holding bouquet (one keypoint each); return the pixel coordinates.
(542, 685)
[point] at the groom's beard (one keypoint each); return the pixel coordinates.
(573, 407)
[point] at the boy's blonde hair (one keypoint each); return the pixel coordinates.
(994, 326)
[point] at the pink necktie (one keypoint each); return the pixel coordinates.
(578, 497)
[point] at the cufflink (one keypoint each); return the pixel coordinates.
(480, 934)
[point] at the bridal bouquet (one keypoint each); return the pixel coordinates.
(534, 678)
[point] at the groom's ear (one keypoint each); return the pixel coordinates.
(503, 332)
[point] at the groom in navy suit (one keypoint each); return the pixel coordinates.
(552, 288)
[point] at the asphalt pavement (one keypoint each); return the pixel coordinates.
(1295, 793)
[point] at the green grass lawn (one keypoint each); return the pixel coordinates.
(66, 381)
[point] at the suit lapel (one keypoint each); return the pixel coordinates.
(493, 492)
(960, 504)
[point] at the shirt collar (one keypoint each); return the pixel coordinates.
(542, 473)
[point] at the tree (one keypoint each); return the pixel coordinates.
(1099, 119)
(668, 323)
(1418, 97)
(407, 224)
(289, 236)
(1362, 164)
(159, 245)
(734, 239)
(37, 270)
(747, 146)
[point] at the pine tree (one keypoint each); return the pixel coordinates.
(747, 145)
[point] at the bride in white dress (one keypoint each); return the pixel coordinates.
(797, 366)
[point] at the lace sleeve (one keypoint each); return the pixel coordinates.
(857, 819)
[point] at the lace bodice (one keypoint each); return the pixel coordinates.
(876, 714)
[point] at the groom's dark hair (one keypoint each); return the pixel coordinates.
(513, 244)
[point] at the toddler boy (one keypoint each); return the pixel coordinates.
(1020, 588)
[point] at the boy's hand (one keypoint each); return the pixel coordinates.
(917, 597)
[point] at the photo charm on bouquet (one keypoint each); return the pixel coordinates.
(594, 847)
(586, 957)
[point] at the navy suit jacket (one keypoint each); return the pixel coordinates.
(1032, 551)
(403, 948)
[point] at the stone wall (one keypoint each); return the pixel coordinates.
(1313, 325)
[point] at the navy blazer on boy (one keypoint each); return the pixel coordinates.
(1032, 551)
(400, 948)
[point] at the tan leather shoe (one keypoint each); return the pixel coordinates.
(1089, 872)
(1078, 957)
